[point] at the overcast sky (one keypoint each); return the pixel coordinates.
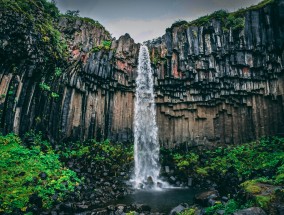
(146, 19)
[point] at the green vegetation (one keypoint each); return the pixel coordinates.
(250, 160)
(29, 172)
(43, 86)
(74, 13)
(33, 169)
(190, 211)
(229, 208)
(105, 45)
(105, 151)
(259, 165)
(38, 18)
(252, 187)
(54, 95)
(235, 20)
(58, 71)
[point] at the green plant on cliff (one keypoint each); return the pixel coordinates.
(218, 15)
(105, 45)
(235, 23)
(39, 26)
(30, 173)
(234, 20)
(73, 13)
(54, 95)
(58, 71)
(43, 86)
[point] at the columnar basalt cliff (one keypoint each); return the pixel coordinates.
(214, 82)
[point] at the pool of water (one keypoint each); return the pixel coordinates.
(160, 201)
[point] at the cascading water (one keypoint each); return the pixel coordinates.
(146, 146)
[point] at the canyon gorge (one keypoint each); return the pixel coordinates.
(215, 82)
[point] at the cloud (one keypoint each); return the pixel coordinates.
(147, 19)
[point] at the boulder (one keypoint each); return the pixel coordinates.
(250, 211)
(205, 197)
(178, 209)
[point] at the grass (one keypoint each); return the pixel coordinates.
(21, 175)
(252, 187)
(259, 165)
(234, 20)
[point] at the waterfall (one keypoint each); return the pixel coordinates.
(146, 145)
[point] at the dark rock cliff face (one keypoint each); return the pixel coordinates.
(212, 86)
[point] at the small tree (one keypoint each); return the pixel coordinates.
(74, 13)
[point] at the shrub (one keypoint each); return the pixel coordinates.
(74, 13)
(105, 45)
(30, 172)
(43, 86)
(58, 71)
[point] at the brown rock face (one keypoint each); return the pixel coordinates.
(212, 86)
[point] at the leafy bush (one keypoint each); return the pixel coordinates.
(105, 45)
(58, 71)
(190, 211)
(54, 95)
(105, 151)
(229, 208)
(251, 187)
(25, 173)
(74, 13)
(43, 86)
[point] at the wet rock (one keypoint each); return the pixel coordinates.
(150, 182)
(204, 198)
(189, 182)
(141, 208)
(66, 207)
(224, 199)
(100, 211)
(167, 169)
(111, 208)
(178, 209)
(250, 211)
(43, 175)
(221, 212)
(35, 200)
(120, 209)
(54, 213)
(159, 184)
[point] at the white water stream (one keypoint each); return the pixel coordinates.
(146, 145)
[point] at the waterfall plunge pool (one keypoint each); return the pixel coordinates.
(162, 201)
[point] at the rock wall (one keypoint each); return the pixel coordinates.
(212, 86)
(221, 86)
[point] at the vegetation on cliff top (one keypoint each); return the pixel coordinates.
(42, 14)
(234, 20)
(40, 20)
